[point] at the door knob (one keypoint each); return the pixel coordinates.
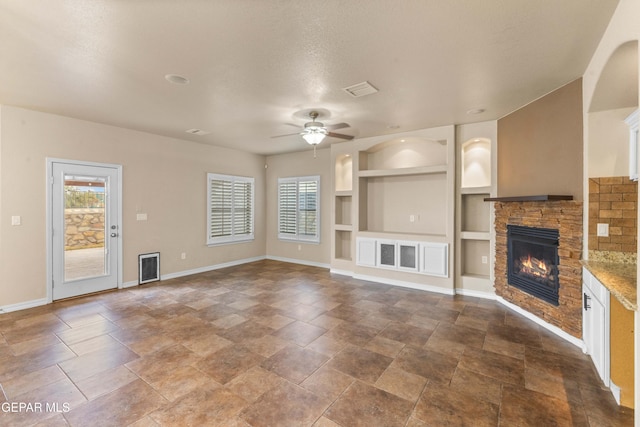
(114, 234)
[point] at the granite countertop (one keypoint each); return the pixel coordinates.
(619, 278)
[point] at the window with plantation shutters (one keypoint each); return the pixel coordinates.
(299, 208)
(229, 209)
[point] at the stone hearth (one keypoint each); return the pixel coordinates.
(566, 216)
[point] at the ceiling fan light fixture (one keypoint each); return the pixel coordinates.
(314, 135)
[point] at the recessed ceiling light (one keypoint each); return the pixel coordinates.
(476, 111)
(176, 79)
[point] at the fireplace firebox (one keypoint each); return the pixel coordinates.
(532, 261)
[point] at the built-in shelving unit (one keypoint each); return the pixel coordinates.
(475, 245)
(395, 191)
(423, 170)
(343, 209)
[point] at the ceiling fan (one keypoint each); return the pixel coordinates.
(314, 132)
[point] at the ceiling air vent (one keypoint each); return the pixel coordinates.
(360, 89)
(199, 132)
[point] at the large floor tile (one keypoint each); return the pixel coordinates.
(270, 343)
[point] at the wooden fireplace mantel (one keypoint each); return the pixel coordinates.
(540, 198)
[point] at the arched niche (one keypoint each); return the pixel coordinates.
(407, 152)
(617, 86)
(615, 97)
(476, 163)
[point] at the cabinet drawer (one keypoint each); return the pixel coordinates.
(599, 291)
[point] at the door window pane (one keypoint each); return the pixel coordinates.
(85, 229)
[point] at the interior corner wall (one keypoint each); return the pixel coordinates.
(541, 146)
(162, 177)
(299, 164)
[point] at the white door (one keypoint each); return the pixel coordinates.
(85, 210)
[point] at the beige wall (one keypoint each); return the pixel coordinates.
(300, 164)
(608, 143)
(392, 200)
(162, 177)
(540, 146)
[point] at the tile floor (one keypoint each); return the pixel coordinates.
(276, 344)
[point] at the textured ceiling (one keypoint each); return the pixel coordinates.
(256, 66)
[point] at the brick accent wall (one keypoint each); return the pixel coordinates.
(566, 216)
(613, 201)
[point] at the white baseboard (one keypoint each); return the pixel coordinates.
(209, 268)
(131, 284)
(23, 305)
(404, 284)
(551, 328)
(615, 390)
(476, 294)
(298, 261)
(341, 272)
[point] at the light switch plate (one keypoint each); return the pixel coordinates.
(16, 220)
(603, 230)
(141, 217)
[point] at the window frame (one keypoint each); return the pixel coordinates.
(232, 237)
(297, 237)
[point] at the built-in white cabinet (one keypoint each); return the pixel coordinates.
(632, 122)
(366, 252)
(434, 259)
(595, 323)
(386, 254)
(428, 258)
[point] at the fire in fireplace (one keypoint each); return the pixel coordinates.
(532, 257)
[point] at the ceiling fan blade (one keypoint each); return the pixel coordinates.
(337, 126)
(340, 135)
(288, 134)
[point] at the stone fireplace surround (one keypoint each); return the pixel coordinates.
(566, 216)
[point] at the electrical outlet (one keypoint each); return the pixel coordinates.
(485, 259)
(412, 218)
(603, 230)
(16, 220)
(183, 255)
(299, 247)
(141, 217)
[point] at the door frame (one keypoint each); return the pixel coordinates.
(49, 214)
